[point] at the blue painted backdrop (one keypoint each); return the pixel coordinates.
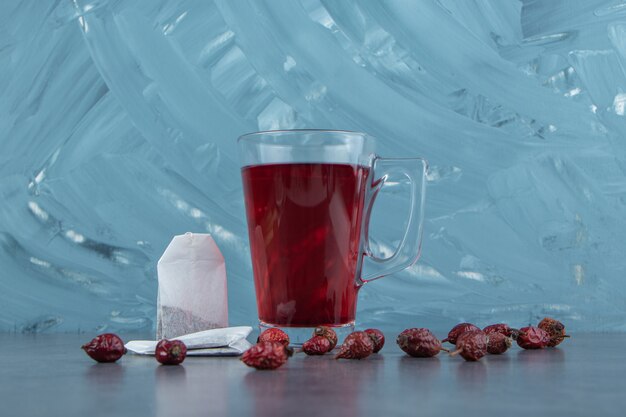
(118, 123)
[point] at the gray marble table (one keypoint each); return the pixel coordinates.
(48, 375)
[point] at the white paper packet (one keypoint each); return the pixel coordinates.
(192, 294)
(229, 341)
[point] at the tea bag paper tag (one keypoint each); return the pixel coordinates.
(192, 294)
(217, 342)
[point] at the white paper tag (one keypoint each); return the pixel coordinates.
(229, 341)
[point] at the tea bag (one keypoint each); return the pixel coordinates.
(192, 293)
(217, 342)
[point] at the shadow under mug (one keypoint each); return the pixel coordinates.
(309, 196)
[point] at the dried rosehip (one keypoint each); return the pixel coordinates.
(317, 345)
(377, 337)
(265, 355)
(471, 345)
(503, 329)
(458, 330)
(555, 329)
(419, 343)
(170, 352)
(274, 335)
(106, 347)
(497, 343)
(328, 333)
(533, 338)
(357, 345)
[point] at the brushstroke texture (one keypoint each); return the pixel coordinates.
(118, 123)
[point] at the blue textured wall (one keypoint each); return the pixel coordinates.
(118, 123)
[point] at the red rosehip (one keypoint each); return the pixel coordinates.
(106, 347)
(533, 338)
(357, 345)
(377, 337)
(419, 343)
(328, 333)
(170, 352)
(317, 345)
(555, 329)
(502, 329)
(458, 330)
(471, 345)
(265, 355)
(274, 334)
(497, 343)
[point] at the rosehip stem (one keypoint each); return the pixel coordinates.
(456, 352)
(444, 349)
(445, 340)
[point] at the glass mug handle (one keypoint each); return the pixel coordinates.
(407, 253)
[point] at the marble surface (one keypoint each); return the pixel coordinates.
(118, 127)
(48, 375)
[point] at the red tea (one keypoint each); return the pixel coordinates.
(304, 223)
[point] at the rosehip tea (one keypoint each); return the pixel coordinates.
(308, 196)
(304, 223)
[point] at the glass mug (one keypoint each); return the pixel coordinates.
(308, 196)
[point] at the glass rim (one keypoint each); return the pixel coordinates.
(252, 135)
